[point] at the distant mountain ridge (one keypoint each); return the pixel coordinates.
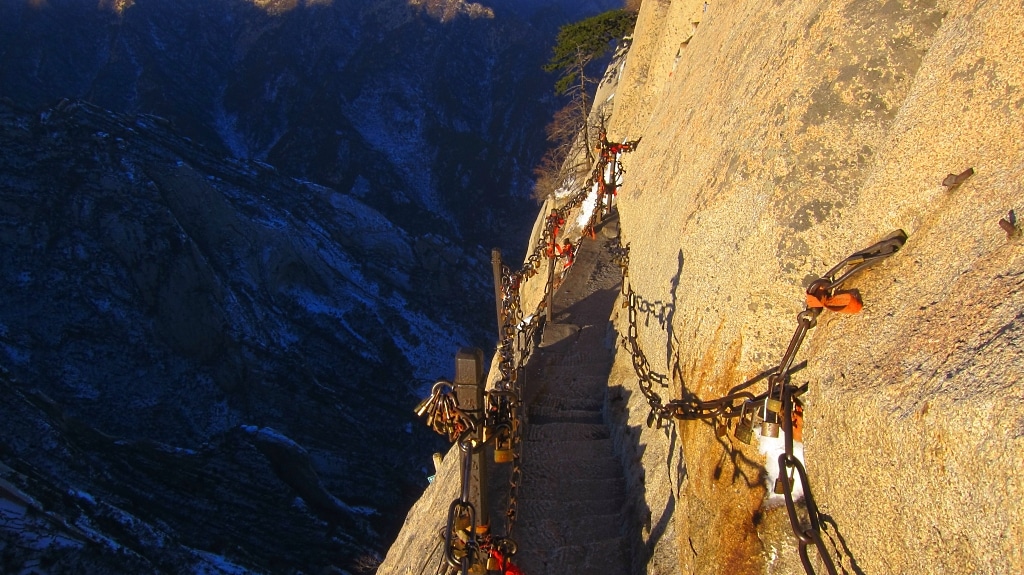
(421, 117)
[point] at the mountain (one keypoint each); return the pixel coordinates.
(780, 139)
(167, 310)
(420, 108)
(239, 239)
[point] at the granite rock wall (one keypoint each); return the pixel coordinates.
(777, 139)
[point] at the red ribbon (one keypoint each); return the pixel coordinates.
(843, 301)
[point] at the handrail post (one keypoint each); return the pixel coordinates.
(496, 268)
(551, 286)
(469, 388)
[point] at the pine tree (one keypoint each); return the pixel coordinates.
(580, 43)
(577, 45)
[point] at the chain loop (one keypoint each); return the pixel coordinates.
(779, 403)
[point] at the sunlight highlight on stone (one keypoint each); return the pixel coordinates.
(116, 6)
(446, 10)
(276, 7)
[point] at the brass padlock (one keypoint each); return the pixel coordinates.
(493, 564)
(503, 446)
(720, 428)
(774, 405)
(423, 406)
(770, 423)
(745, 426)
(780, 488)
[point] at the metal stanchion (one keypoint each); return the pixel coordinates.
(469, 387)
(496, 269)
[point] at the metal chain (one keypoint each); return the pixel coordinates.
(516, 343)
(503, 412)
(687, 408)
(809, 532)
(461, 549)
(778, 401)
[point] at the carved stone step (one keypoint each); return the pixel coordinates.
(565, 431)
(540, 414)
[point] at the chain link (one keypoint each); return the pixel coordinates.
(503, 412)
(779, 401)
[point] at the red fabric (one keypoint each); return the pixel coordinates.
(798, 422)
(557, 223)
(506, 565)
(844, 301)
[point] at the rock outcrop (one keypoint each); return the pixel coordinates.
(778, 138)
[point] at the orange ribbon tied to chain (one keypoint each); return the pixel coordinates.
(798, 422)
(847, 301)
(556, 222)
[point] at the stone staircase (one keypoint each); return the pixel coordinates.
(572, 501)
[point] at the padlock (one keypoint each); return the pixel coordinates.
(503, 453)
(476, 568)
(720, 428)
(503, 446)
(462, 522)
(780, 488)
(423, 406)
(450, 410)
(770, 423)
(769, 429)
(493, 564)
(745, 427)
(774, 405)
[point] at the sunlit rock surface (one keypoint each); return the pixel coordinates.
(778, 138)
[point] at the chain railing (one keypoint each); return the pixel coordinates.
(469, 546)
(474, 549)
(606, 175)
(775, 407)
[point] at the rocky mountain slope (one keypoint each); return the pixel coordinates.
(778, 139)
(160, 301)
(224, 294)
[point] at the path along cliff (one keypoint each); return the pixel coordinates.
(571, 513)
(779, 138)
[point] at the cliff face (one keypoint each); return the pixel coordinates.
(779, 138)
